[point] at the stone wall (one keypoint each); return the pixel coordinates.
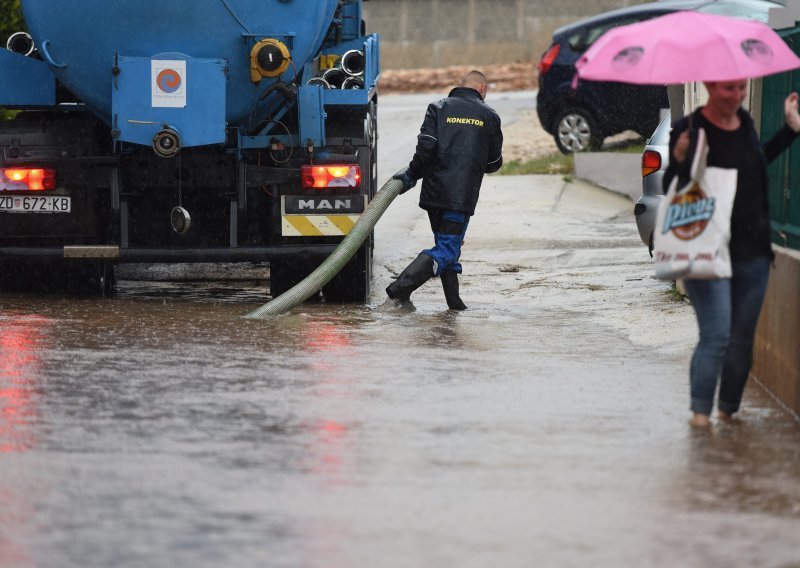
(437, 33)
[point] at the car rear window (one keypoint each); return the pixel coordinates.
(583, 40)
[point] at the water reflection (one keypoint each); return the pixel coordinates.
(21, 341)
(335, 400)
(20, 367)
(743, 466)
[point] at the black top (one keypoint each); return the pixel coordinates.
(459, 141)
(739, 149)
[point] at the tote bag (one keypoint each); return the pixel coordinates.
(693, 222)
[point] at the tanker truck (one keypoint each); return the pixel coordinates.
(187, 131)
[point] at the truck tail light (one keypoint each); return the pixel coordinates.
(31, 179)
(548, 58)
(651, 162)
(330, 175)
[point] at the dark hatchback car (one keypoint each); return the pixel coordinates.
(579, 119)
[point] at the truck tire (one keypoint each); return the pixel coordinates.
(89, 280)
(6, 277)
(354, 282)
(93, 279)
(283, 275)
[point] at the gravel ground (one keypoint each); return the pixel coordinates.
(526, 139)
(509, 77)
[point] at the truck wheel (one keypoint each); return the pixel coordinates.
(6, 277)
(95, 279)
(284, 275)
(353, 283)
(21, 278)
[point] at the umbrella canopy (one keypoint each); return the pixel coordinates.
(684, 47)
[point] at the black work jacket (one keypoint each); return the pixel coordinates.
(459, 141)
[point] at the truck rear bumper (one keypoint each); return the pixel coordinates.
(115, 254)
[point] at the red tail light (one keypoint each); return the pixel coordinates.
(330, 175)
(651, 162)
(31, 179)
(548, 58)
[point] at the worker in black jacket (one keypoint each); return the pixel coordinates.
(460, 140)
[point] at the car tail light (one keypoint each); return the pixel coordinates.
(31, 179)
(651, 162)
(548, 58)
(330, 175)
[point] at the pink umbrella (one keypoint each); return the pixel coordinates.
(684, 47)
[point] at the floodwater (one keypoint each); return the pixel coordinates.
(159, 428)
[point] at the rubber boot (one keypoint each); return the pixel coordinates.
(450, 285)
(414, 276)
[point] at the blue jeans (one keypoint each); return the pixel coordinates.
(449, 228)
(727, 314)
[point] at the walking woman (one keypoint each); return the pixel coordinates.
(727, 309)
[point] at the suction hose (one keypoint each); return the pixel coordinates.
(302, 291)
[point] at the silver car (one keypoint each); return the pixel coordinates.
(655, 160)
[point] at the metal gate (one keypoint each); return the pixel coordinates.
(784, 171)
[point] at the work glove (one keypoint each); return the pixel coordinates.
(407, 181)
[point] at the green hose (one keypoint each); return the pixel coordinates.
(302, 291)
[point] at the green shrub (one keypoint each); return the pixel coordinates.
(10, 19)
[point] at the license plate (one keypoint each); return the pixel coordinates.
(35, 204)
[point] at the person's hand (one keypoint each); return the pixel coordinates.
(407, 181)
(790, 112)
(681, 147)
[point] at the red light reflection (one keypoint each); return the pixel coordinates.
(19, 369)
(330, 449)
(326, 337)
(331, 452)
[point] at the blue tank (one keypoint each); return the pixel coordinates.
(83, 38)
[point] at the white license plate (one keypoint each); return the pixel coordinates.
(35, 204)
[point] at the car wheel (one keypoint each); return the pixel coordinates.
(576, 131)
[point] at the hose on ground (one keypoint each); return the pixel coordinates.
(314, 282)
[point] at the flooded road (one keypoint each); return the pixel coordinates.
(544, 426)
(174, 433)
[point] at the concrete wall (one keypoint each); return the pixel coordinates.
(616, 171)
(436, 33)
(777, 353)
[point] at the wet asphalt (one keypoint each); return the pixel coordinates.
(544, 426)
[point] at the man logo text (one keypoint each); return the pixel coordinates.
(324, 204)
